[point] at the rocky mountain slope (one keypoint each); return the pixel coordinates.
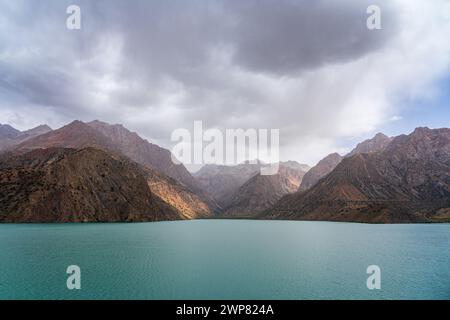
(76, 185)
(262, 191)
(409, 181)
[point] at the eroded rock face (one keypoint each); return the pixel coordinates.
(407, 182)
(69, 185)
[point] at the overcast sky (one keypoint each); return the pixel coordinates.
(309, 68)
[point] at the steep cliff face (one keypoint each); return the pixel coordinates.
(407, 182)
(261, 191)
(84, 185)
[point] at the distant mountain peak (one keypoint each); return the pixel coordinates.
(295, 165)
(422, 129)
(10, 137)
(75, 123)
(41, 129)
(378, 143)
(103, 123)
(7, 130)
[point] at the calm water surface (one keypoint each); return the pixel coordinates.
(224, 259)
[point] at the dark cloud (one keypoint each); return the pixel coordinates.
(285, 37)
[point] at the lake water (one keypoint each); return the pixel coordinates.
(225, 259)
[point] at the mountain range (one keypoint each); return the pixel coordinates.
(408, 180)
(172, 183)
(95, 171)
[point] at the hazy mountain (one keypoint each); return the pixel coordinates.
(7, 131)
(68, 185)
(222, 182)
(324, 167)
(42, 129)
(296, 166)
(409, 181)
(262, 191)
(376, 144)
(9, 137)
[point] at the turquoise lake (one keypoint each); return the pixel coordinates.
(225, 259)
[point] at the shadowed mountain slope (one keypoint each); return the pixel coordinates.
(84, 185)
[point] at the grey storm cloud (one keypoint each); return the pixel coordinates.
(277, 37)
(158, 65)
(175, 39)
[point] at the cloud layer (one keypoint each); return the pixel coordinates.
(312, 69)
